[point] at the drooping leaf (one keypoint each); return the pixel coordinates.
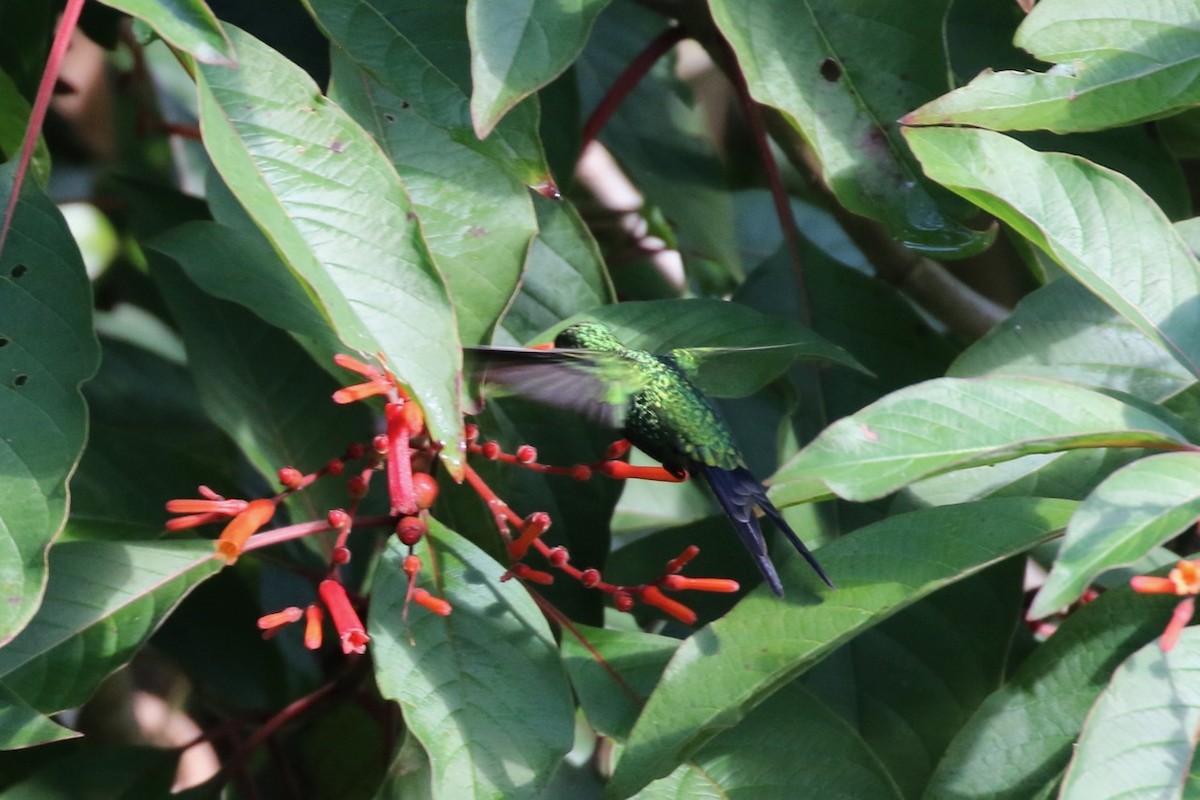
(1020, 739)
(187, 24)
(1095, 223)
(47, 349)
(841, 72)
(519, 46)
(420, 52)
(1137, 508)
(475, 215)
(1115, 64)
(732, 665)
(483, 688)
(952, 423)
(794, 746)
(1064, 332)
(1140, 736)
(103, 601)
(330, 202)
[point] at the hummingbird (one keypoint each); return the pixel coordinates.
(655, 405)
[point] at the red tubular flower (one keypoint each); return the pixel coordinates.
(623, 471)
(212, 508)
(679, 583)
(534, 526)
(1179, 620)
(256, 514)
(313, 634)
(345, 618)
(651, 596)
(271, 624)
(1148, 584)
(435, 604)
(399, 461)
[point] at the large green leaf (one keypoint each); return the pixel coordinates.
(103, 601)
(104, 771)
(483, 688)
(14, 116)
(1096, 223)
(1064, 332)
(1140, 737)
(187, 24)
(330, 202)
(1021, 738)
(475, 215)
(910, 683)
(419, 51)
(952, 423)
(792, 747)
(1137, 508)
(47, 349)
(841, 71)
(732, 665)
(1116, 64)
(519, 46)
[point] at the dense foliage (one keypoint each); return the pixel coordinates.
(940, 259)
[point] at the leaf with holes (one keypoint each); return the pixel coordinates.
(47, 349)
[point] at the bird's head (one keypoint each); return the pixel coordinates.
(588, 336)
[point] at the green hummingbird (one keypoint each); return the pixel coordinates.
(652, 401)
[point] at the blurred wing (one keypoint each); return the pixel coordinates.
(742, 371)
(597, 386)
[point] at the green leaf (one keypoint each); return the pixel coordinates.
(910, 683)
(519, 46)
(1140, 736)
(1137, 508)
(24, 726)
(729, 667)
(103, 601)
(613, 672)
(102, 771)
(14, 116)
(1096, 223)
(420, 52)
(482, 688)
(794, 746)
(953, 423)
(47, 349)
(1116, 64)
(1021, 738)
(564, 275)
(328, 199)
(263, 390)
(475, 215)
(187, 24)
(1064, 332)
(840, 72)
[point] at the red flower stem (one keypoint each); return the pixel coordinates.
(503, 515)
(628, 80)
(41, 103)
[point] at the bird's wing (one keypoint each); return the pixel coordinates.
(597, 386)
(742, 371)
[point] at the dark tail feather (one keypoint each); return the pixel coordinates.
(739, 492)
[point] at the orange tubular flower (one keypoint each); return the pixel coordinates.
(651, 596)
(313, 635)
(345, 618)
(1179, 620)
(256, 514)
(435, 604)
(1183, 580)
(678, 583)
(271, 624)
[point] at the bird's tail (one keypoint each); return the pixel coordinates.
(739, 492)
